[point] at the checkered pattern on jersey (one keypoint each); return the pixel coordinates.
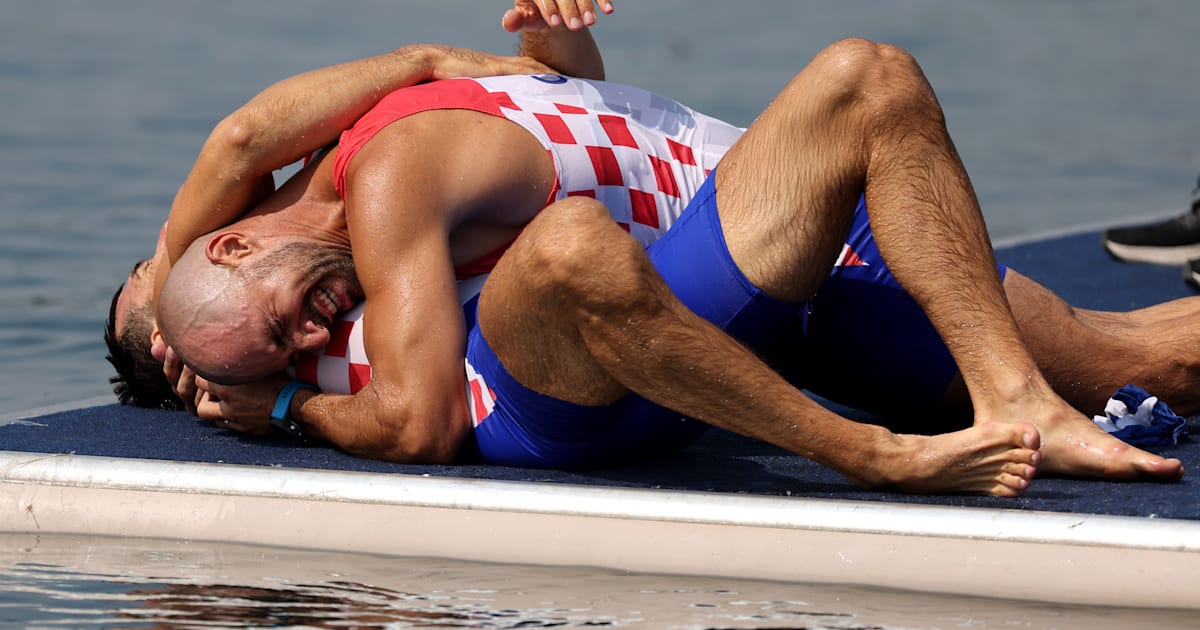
(603, 150)
(342, 367)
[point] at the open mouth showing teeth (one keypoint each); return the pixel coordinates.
(325, 303)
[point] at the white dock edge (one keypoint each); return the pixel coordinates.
(1066, 558)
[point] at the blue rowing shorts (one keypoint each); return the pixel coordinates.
(860, 329)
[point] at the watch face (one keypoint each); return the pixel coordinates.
(289, 426)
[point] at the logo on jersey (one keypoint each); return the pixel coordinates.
(849, 258)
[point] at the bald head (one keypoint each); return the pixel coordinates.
(237, 308)
(201, 302)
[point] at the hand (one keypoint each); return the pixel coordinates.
(451, 63)
(245, 408)
(182, 380)
(535, 15)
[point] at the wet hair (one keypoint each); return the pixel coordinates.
(139, 380)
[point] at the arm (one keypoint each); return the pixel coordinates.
(558, 36)
(445, 170)
(303, 113)
(415, 183)
(295, 117)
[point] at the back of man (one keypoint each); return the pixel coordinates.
(641, 155)
(436, 181)
(438, 177)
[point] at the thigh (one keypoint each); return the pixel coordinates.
(539, 395)
(694, 261)
(787, 189)
(529, 310)
(516, 426)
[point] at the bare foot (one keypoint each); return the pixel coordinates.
(996, 459)
(1076, 447)
(1073, 446)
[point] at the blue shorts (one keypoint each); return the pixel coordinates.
(858, 315)
(865, 342)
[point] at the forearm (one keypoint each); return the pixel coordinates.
(305, 112)
(572, 53)
(374, 426)
(286, 122)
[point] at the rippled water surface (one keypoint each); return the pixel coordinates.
(77, 582)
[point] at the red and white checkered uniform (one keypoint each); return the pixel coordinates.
(642, 155)
(342, 365)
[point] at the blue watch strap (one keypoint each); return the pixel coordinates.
(279, 415)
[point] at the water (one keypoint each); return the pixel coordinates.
(82, 582)
(1066, 113)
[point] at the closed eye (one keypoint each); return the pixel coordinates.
(277, 336)
(140, 267)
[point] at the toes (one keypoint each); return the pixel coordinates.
(1019, 469)
(1008, 485)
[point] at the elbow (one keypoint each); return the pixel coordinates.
(236, 138)
(433, 453)
(425, 436)
(410, 449)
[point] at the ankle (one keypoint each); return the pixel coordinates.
(999, 395)
(890, 460)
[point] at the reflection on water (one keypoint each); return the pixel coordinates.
(67, 581)
(56, 595)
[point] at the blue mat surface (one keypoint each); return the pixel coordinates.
(1074, 266)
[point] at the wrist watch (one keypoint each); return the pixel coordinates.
(280, 418)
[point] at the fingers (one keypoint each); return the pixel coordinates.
(572, 13)
(534, 15)
(575, 14)
(242, 408)
(182, 380)
(515, 20)
(209, 408)
(172, 366)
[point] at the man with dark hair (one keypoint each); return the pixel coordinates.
(587, 350)
(131, 332)
(288, 121)
(573, 313)
(139, 380)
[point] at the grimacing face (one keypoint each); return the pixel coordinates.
(272, 308)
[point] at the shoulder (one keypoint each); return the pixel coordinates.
(455, 158)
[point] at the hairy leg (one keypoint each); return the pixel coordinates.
(862, 117)
(575, 310)
(1086, 355)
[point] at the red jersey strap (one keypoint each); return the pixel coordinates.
(448, 94)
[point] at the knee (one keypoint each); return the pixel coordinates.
(580, 255)
(881, 80)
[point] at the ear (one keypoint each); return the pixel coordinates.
(158, 345)
(230, 248)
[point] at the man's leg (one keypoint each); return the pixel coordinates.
(576, 311)
(1086, 355)
(860, 117)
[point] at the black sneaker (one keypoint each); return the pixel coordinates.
(1171, 242)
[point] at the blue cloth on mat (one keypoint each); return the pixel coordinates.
(1138, 418)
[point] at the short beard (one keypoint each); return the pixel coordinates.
(316, 263)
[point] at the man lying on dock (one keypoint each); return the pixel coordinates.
(596, 350)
